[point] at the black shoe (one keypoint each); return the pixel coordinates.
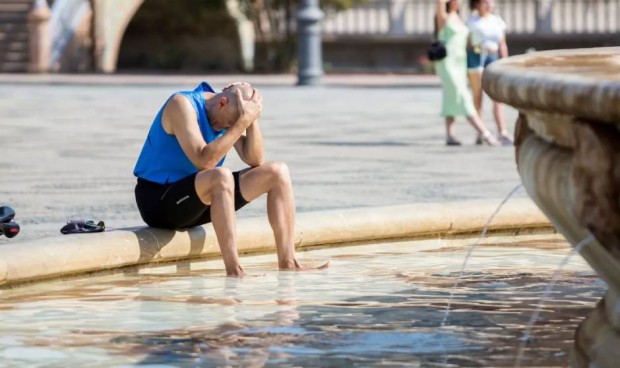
(8, 226)
(6, 214)
(9, 229)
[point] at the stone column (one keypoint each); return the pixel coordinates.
(111, 18)
(39, 37)
(247, 37)
(397, 17)
(309, 19)
(544, 17)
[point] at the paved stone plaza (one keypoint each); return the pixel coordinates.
(68, 149)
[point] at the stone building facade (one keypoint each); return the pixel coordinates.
(379, 35)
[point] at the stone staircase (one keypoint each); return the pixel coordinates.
(14, 47)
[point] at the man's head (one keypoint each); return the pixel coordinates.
(225, 106)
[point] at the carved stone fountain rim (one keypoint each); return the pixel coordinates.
(586, 84)
(567, 140)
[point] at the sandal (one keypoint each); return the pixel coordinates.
(81, 226)
(451, 141)
(504, 139)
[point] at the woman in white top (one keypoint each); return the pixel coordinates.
(487, 44)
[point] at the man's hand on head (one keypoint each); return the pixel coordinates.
(251, 109)
(236, 84)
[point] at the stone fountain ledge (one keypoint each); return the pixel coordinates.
(579, 83)
(567, 144)
(70, 255)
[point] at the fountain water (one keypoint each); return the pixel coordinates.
(469, 252)
(471, 249)
(556, 276)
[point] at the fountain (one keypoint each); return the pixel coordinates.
(567, 144)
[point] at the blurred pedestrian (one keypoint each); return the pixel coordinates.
(457, 100)
(487, 44)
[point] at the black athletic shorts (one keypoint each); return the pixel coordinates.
(176, 205)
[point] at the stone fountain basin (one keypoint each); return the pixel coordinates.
(568, 155)
(75, 255)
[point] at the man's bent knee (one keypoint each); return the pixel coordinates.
(223, 179)
(217, 180)
(279, 171)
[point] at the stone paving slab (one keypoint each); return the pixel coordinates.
(68, 149)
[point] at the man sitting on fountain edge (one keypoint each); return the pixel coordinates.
(181, 180)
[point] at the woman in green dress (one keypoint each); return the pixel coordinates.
(452, 70)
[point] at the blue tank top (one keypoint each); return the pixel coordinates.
(162, 159)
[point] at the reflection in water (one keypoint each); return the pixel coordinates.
(363, 311)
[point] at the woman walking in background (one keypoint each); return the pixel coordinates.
(487, 44)
(452, 70)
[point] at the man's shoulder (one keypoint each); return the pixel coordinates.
(184, 99)
(180, 104)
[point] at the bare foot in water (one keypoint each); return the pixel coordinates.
(244, 274)
(237, 272)
(295, 266)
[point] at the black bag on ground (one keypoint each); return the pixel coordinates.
(83, 226)
(436, 51)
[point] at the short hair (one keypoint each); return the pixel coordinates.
(473, 4)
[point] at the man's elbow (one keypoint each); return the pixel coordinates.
(207, 166)
(207, 159)
(256, 161)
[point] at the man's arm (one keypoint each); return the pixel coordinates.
(250, 147)
(180, 120)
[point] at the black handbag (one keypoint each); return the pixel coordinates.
(436, 51)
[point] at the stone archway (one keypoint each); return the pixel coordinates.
(111, 20)
(187, 36)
